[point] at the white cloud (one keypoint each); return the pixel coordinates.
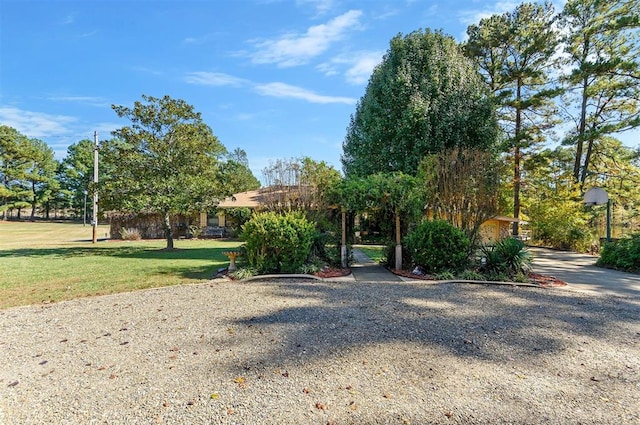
(36, 124)
(297, 49)
(85, 100)
(322, 6)
(359, 66)
(283, 90)
(67, 20)
(214, 79)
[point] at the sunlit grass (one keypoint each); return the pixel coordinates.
(48, 262)
(375, 252)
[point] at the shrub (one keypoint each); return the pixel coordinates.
(623, 254)
(438, 246)
(243, 273)
(130, 234)
(278, 243)
(508, 257)
(472, 275)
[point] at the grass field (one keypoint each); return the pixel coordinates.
(375, 252)
(49, 262)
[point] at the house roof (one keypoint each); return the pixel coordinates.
(249, 199)
(264, 195)
(504, 218)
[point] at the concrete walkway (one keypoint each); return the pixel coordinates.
(365, 269)
(581, 273)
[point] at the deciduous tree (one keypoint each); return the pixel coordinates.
(167, 161)
(425, 96)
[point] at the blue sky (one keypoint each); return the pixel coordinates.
(276, 78)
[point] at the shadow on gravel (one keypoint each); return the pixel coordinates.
(481, 321)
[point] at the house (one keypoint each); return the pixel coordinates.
(492, 230)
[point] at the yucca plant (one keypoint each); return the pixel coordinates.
(509, 256)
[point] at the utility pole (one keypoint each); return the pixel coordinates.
(95, 187)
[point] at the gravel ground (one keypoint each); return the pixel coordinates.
(309, 352)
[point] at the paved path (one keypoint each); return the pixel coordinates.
(580, 272)
(365, 269)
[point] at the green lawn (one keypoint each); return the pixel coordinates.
(48, 262)
(375, 252)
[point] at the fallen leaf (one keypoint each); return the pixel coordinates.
(230, 411)
(214, 396)
(13, 384)
(321, 406)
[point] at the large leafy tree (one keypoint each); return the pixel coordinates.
(425, 96)
(603, 83)
(166, 161)
(514, 52)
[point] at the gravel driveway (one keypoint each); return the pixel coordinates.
(309, 352)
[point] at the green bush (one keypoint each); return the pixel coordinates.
(438, 246)
(623, 254)
(508, 257)
(278, 243)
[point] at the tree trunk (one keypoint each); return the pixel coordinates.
(581, 127)
(587, 158)
(168, 233)
(33, 204)
(516, 161)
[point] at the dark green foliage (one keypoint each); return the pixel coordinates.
(508, 257)
(168, 161)
(623, 254)
(423, 97)
(278, 243)
(438, 246)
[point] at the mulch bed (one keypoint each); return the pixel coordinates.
(535, 278)
(328, 272)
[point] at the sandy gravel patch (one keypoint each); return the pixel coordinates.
(309, 352)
